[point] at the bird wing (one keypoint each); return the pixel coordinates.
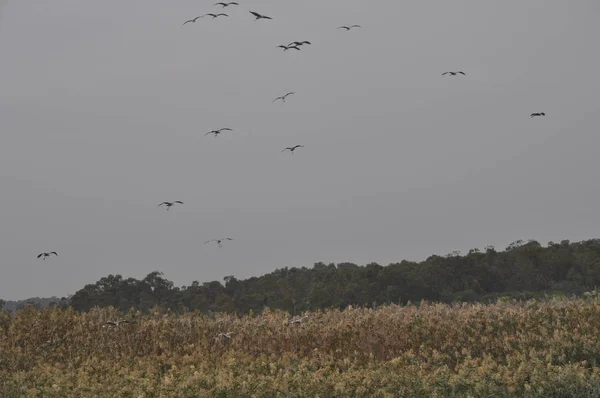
(462, 73)
(223, 4)
(225, 129)
(40, 255)
(277, 99)
(290, 93)
(178, 201)
(445, 73)
(355, 26)
(191, 20)
(257, 15)
(55, 253)
(299, 146)
(286, 149)
(163, 203)
(343, 27)
(223, 15)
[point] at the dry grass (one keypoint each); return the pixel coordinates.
(534, 349)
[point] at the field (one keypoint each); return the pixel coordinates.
(508, 349)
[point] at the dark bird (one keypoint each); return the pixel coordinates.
(44, 255)
(299, 43)
(116, 323)
(453, 73)
(215, 15)
(192, 20)
(219, 241)
(348, 27)
(258, 16)
(217, 132)
(283, 97)
(227, 4)
(169, 204)
(292, 149)
(538, 114)
(285, 48)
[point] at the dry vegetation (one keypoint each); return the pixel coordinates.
(533, 349)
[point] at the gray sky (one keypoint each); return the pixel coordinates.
(104, 106)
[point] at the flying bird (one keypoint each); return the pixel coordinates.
(283, 97)
(299, 320)
(226, 335)
(44, 255)
(348, 27)
(258, 16)
(116, 323)
(169, 204)
(219, 241)
(453, 73)
(299, 43)
(219, 131)
(227, 4)
(292, 149)
(285, 48)
(192, 20)
(538, 114)
(215, 15)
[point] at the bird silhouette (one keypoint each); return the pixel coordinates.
(217, 132)
(283, 97)
(299, 43)
(453, 73)
(348, 27)
(169, 204)
(259, 16)
(219, 241)
(192, 20)
(538, 114)
(44, 255)
(215, 15)
(285, 48)
(292, 149)
(227, 4)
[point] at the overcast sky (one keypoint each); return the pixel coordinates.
(104, 106)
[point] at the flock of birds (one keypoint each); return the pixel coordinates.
(294, 45)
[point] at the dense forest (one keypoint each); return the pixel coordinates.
(522, 270)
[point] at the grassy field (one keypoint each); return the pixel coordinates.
(531, 349)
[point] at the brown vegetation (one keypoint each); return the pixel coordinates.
(530, 349)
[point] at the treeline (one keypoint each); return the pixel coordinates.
(37, 302)
(522, 270)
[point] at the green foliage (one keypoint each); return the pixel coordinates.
(523, 270)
